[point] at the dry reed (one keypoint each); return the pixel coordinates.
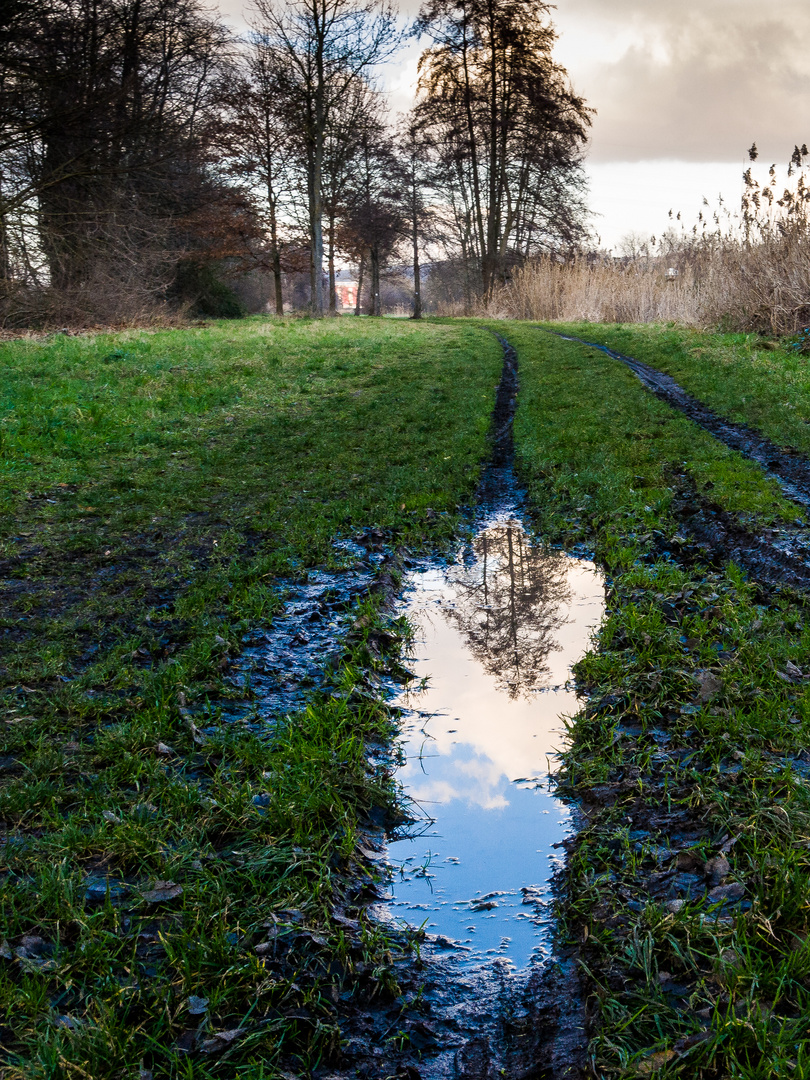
(603, 290)
(750, 273)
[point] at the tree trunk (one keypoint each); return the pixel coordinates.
(277, 281)
(331, 264)
(417, 280)
(316, 183)
(376, 308)
(5, 261)
(476, 179)
(488, 262)
(275, 254)
(358, 302)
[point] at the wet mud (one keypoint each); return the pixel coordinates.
(456, 1015)
(486, 1011)
(774, 556)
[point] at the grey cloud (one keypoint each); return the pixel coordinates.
(703, 81)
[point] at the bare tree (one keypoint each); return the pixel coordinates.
(414, 152)
(343, 155)
(327, 46)
(507, 129)
(106, 112)
(260, 147)
(375, 202)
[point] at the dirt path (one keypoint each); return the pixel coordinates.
(484, 1021)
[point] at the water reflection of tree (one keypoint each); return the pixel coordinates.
(509, 603)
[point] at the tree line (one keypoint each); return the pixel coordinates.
(146, 153)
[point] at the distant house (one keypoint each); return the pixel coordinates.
(345, 289)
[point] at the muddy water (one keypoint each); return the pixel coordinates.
(498, 632)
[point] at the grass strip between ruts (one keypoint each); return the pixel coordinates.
(747, 379)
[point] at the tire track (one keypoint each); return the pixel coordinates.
(788, 468)
(780, 559)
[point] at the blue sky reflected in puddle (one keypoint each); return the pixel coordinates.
(499, 631)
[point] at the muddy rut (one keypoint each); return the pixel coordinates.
(775, 556)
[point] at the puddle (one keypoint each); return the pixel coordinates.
(498, 632)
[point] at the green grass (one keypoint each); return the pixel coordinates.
(159, 488)
(155, 488)
(695, 735)
(734, 374)
(595, 441)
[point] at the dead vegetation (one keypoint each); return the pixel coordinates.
(739, 272)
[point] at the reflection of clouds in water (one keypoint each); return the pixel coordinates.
(540, 610)
(483, 722)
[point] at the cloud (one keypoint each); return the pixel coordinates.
(690, 80)
(694, 80)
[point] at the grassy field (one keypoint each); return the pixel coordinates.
(155, 489)
(159, 489)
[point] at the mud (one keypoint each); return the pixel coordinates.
(489, 1019)
(453, 1019)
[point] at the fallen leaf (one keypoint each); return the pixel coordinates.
(689, 861)
(5, 951)
(708, 685)
(99, 888)
(655, 1062)
(162, 891)
(113, 819)
(717, 868)
(185, 1042)
(197, 1006)
(196, 734)
(689, 1041)
(165, 750)
(350, 924)
(220, 1040)
(792, 673)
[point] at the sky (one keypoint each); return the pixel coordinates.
(681, 89)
